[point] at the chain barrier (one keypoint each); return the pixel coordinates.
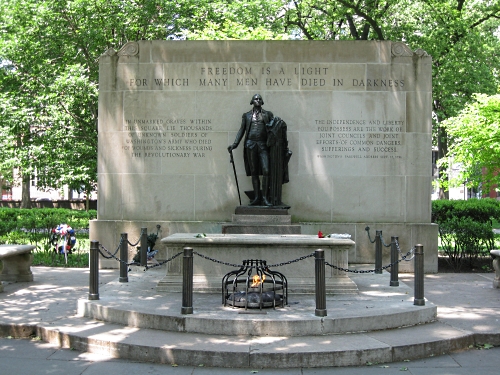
(291, 261)
(163, 262)
(109, 252)
(111, 255)
(241, 265)
(373, 241)
(369, 237)
(220, 262)
(139, 240)
(383, 243)
(376, 269)
(412, 251)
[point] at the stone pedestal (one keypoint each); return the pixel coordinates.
(227, 252)
(261, 220)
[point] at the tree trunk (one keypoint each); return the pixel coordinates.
(25, 194)
(442, 151)
(87, 200)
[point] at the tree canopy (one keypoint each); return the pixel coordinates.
(49, 52)
(475, 135)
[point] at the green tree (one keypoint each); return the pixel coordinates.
(48, 79)
(460, 35)
(50, 51)
(475, 133)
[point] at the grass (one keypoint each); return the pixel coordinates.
(79, 258)
(44, 254)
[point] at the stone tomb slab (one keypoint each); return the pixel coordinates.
(227, 252)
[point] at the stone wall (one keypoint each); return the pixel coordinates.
(359, 126)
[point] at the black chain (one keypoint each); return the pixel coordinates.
(218, 261)
(381, 238)
(134, 244)
(374, 270)
(412, 250)
(248, 266)
(139, 240)
(383, 243)
(114, 257)
(163, 262)
(369, 237)
(291, 261)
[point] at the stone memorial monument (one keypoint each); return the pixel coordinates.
(357, 116)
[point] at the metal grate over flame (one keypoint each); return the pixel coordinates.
(254, 285)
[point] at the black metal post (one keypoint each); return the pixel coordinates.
(419, 276)
(94, 271)
(123, 258)
(378, 251)
(394, 262)
(319, 256)
(144, 246)
(187, 281)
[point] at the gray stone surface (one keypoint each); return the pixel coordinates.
(15, 263)
(467, 314)
(359, 126)
(275, 249)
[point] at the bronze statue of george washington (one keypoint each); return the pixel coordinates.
(266, 153)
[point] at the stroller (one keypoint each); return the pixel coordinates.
(63, 239)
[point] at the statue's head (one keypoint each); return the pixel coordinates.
(257, 96)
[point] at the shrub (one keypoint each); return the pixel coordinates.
(465, 228)
(21, 226)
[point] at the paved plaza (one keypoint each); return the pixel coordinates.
(465, 302)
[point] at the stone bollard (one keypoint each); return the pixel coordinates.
(378, 251)
(187, 281)
(94, 271)
(394, 262)
(319, 256)
(419, 276)
(123, 258)
(144, 246)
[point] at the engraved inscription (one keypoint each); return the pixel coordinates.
(359, 139)
(168, 138)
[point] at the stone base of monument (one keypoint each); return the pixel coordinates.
(261, 220)
(292, 255)
(378, 324)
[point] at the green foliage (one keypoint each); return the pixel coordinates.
(465, 228)
(476, 142)
(49, 59)
(33, 227)
(43, 218)
(49, 258)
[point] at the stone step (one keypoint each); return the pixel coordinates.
(262, 219)
(194, 349)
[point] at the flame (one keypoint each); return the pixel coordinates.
(256, 280)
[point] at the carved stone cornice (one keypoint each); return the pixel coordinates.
(129, 49)
(400, 49)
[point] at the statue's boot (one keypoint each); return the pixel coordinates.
(256, 189)
(265, 189)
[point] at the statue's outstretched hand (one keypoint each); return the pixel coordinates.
(231, 148)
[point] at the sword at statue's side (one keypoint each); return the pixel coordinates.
(235, 176)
